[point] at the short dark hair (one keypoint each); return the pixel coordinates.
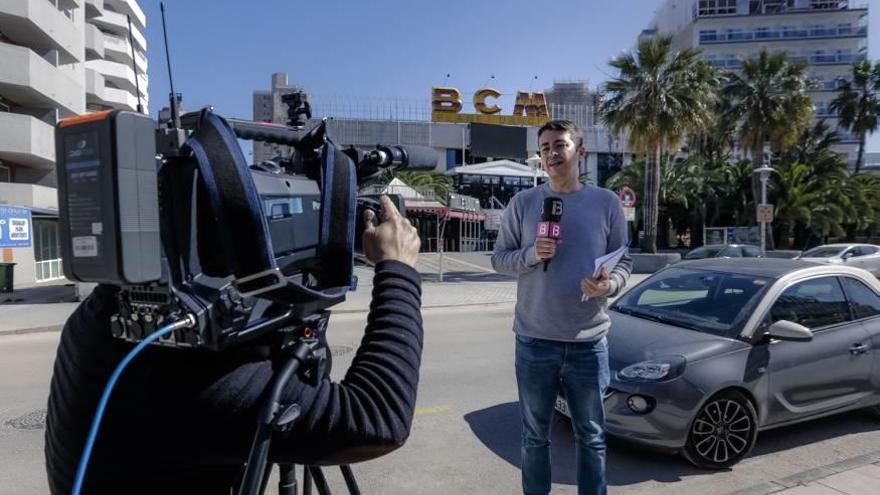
(564, 125)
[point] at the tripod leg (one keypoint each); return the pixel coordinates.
(287, 481)
(350, 482)
(265, 482)
(320, 480)
(307, 481)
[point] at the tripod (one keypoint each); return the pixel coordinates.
(303, 351)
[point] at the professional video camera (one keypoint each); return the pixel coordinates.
(211, 253)
(176, 218)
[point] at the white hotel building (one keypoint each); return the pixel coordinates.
(830, 35)
(58, 58)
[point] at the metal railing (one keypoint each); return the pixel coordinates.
(426, 193)
(47, 270)
(830, 59)
(782, 34)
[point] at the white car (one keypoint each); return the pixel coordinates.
(865, 256)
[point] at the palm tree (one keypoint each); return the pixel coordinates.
(682, 185)
(658, 97)
(769, 102)
(858, 104)
(815, 192)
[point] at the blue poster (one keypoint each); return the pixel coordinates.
(15, 227)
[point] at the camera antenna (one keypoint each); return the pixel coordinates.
(137, 86)
(175, 113)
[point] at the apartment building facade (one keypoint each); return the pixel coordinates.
(59, 58)
(829, 35)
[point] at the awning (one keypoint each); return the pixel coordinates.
(43, 213)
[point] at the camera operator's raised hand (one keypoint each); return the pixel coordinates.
(213, 399)
(393, 239)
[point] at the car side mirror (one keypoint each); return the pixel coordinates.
(848, 255)
(789, 330)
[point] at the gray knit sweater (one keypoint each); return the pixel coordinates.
(549, 305)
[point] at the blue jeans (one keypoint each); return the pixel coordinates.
(580, 370)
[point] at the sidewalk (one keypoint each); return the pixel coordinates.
(467, 280)
(857, 476)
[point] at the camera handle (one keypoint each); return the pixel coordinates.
(300, 357)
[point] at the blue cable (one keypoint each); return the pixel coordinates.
(102, 404)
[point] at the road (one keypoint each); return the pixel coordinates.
(465, 437)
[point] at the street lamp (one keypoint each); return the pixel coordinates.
(764, 172)
(535, 162)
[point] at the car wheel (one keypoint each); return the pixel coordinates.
(723, 431)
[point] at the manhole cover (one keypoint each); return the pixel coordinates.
(338, 350)
(35, 420)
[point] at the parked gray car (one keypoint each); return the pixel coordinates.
(865, 256)
(704, 354)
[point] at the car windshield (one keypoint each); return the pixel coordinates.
(707, 301)
(823, 252)
(703, 252)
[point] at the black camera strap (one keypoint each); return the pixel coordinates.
(242, 229)
(336, 237)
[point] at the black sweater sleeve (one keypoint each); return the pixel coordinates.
(369, 412)
(191, 415)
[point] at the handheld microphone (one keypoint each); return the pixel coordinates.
(550, 226)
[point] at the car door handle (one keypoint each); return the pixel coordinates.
(858, 348)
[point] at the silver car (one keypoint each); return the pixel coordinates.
(865, 256)
(723, 251)
(705, 354)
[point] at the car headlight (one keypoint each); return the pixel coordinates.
(658, 369)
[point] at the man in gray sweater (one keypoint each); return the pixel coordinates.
(560, 321)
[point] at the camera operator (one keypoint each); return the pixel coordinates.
(183, 421)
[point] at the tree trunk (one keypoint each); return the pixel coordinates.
(652, 199)
(861, 155)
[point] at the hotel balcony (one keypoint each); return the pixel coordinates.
(120, 49)
(129, 7)
(120, 75)
(27, 141)
(779, 7)
(44, 26)
(94, 43)
(765, 35)
(98, 93)
(118, 24)
(30, 80)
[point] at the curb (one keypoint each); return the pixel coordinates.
(810, 475)
(25, 331)
(57, 328)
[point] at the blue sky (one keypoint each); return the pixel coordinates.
(222, 50)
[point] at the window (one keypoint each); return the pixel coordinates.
(864, 250)
(732, 252)
(716, 7)
(736, 34)
(706, 301)
(751, 252)
(844, 29)
(865, 303)
(5, 174)
(708, 35)
(814, 303)
(763, 33)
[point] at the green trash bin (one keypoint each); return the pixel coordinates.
(6, 276)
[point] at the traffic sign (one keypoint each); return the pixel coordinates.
(627, 197)
(765, 213)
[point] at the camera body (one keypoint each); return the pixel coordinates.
(176, 218)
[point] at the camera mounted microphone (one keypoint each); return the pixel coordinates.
(550, 226)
